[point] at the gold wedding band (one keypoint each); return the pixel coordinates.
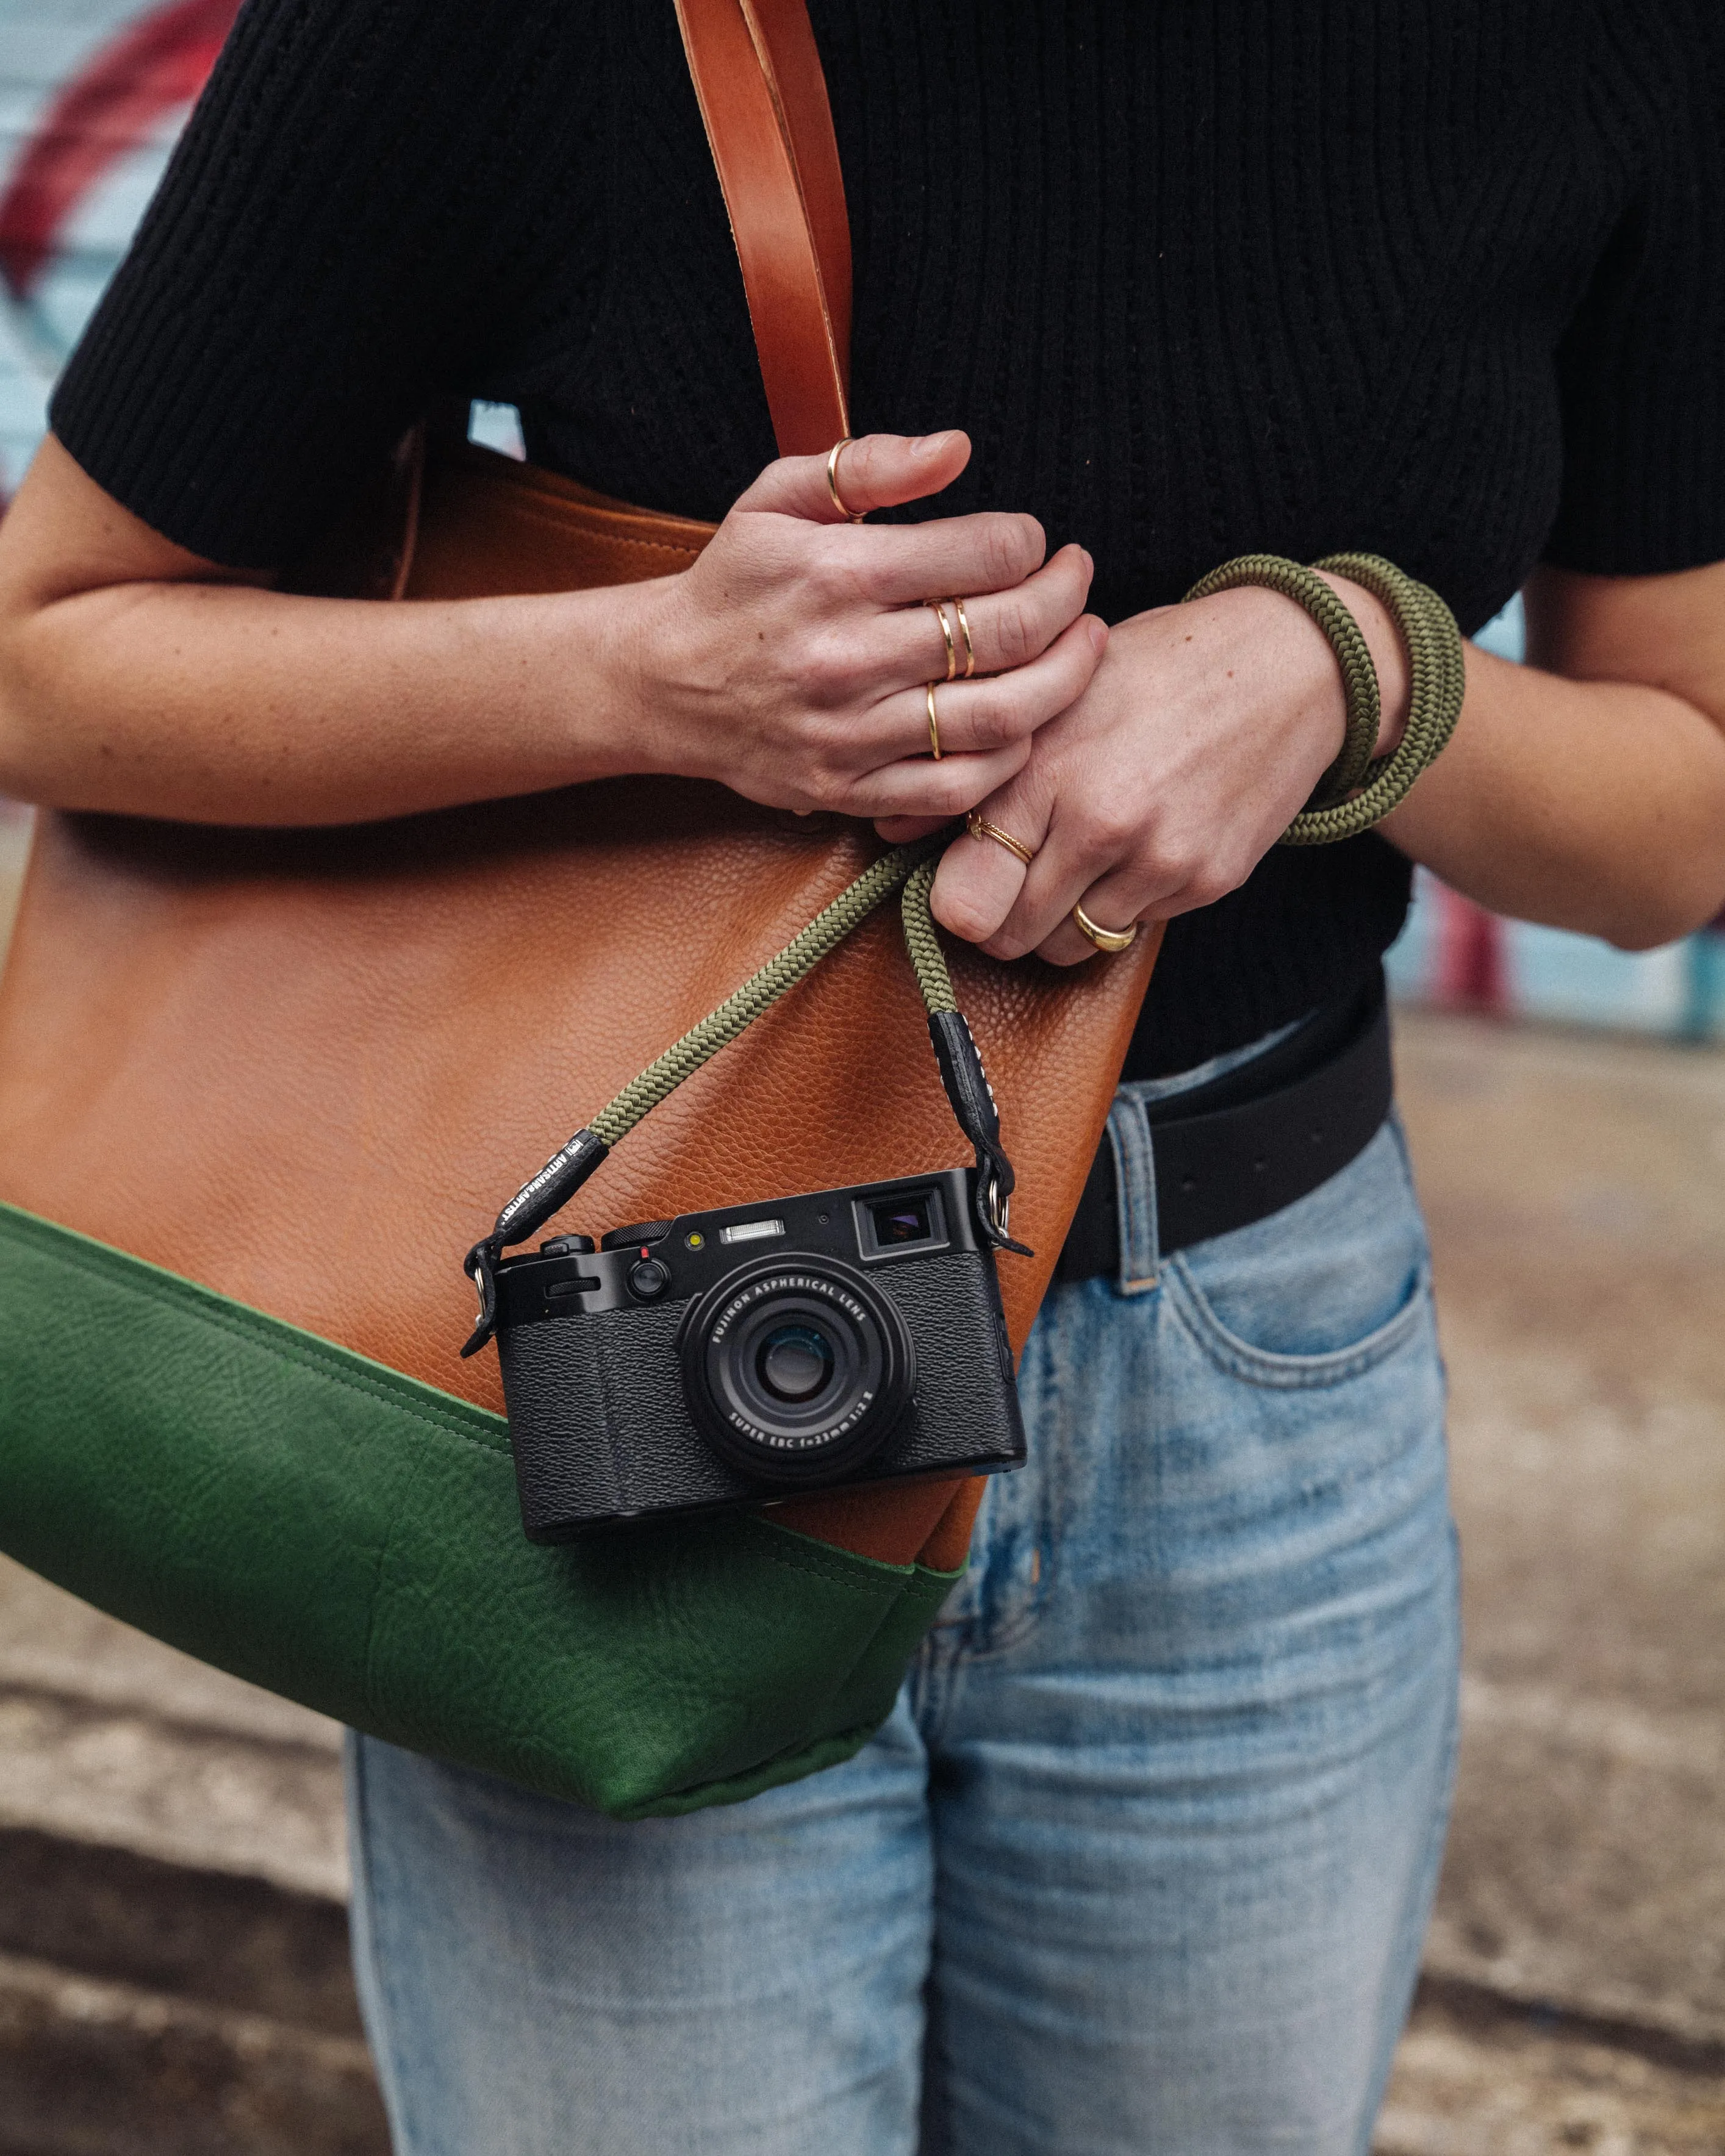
(934, 726)
(969, 648)
(850, 515)
(979, 827)
(1105, 939)
(939, 607)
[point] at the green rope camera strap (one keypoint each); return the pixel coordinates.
(909, 869)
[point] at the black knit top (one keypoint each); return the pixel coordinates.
(1444, 278)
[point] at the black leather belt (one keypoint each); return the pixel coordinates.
(1252, 1141)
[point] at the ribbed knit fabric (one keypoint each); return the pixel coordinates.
(1443, 281)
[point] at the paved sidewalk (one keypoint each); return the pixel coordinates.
(171, 1859)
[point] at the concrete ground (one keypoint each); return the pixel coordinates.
(172, 1979)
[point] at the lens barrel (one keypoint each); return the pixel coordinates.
(796, 1371)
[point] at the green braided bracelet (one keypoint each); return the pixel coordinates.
(1437, 678)
(1360, 788)
(1359, 676)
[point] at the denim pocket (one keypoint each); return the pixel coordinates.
(1322, 1290)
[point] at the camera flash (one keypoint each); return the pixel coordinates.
(751, 1231)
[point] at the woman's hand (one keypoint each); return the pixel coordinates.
(1200, 736)
(790, 661)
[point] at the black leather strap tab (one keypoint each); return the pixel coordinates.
(531, 1206)
(1222, 1164)
(556, 1183)
(972, 1104)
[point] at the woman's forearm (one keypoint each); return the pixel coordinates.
(232, 705)
(1594, 804)
(134, 678)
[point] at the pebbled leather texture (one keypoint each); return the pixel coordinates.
(376, 1570)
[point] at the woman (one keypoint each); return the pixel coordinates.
(1143, 1859)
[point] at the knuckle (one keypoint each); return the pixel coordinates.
(1204, 886)
(993, 723)
(952, 792)
(825, 787)
(1016, 633)
(831, 570)
(1003, 552)
(961, 914)
(1106, 827)
(830, 668)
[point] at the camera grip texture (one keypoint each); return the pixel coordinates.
(601, 1427)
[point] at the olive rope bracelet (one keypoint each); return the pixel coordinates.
(910, 868)
(1360, 788)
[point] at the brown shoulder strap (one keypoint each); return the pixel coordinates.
(763, 100)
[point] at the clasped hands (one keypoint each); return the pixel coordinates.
(1145, 769)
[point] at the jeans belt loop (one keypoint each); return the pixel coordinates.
(1135, 1183)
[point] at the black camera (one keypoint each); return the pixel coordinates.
(734, 1357)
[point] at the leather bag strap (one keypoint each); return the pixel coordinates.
(763, 94)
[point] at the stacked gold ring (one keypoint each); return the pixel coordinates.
(938, 608)
(980, 828)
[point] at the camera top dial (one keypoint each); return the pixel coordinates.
(796, 1370)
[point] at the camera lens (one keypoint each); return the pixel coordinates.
(796, 1370)
(794, 1362)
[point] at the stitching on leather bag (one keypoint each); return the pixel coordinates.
(321, 1360)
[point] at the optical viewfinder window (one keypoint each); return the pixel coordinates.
(900, 1221)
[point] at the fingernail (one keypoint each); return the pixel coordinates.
(1098, 636)
(1090, 560)
(928, 445)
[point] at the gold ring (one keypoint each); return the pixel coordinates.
(969, 648)
(979, 827)
(1105, 939)
(850, 515)
(940, 615)
(934, 726)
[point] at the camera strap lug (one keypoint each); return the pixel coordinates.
(531, 1206)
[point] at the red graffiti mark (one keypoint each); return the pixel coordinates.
(104, 113)
(1472, 971)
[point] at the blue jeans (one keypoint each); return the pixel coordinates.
(1142, 1861)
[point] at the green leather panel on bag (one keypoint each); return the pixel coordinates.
(335, 1532)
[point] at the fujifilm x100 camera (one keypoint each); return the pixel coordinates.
(734, 1357)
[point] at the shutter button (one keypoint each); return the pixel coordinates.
(648, 1279)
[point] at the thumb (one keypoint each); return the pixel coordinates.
(876, 471)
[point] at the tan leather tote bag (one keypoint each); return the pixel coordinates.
(259, 1090)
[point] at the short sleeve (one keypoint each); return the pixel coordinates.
(329, 251)
(1641, 367)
